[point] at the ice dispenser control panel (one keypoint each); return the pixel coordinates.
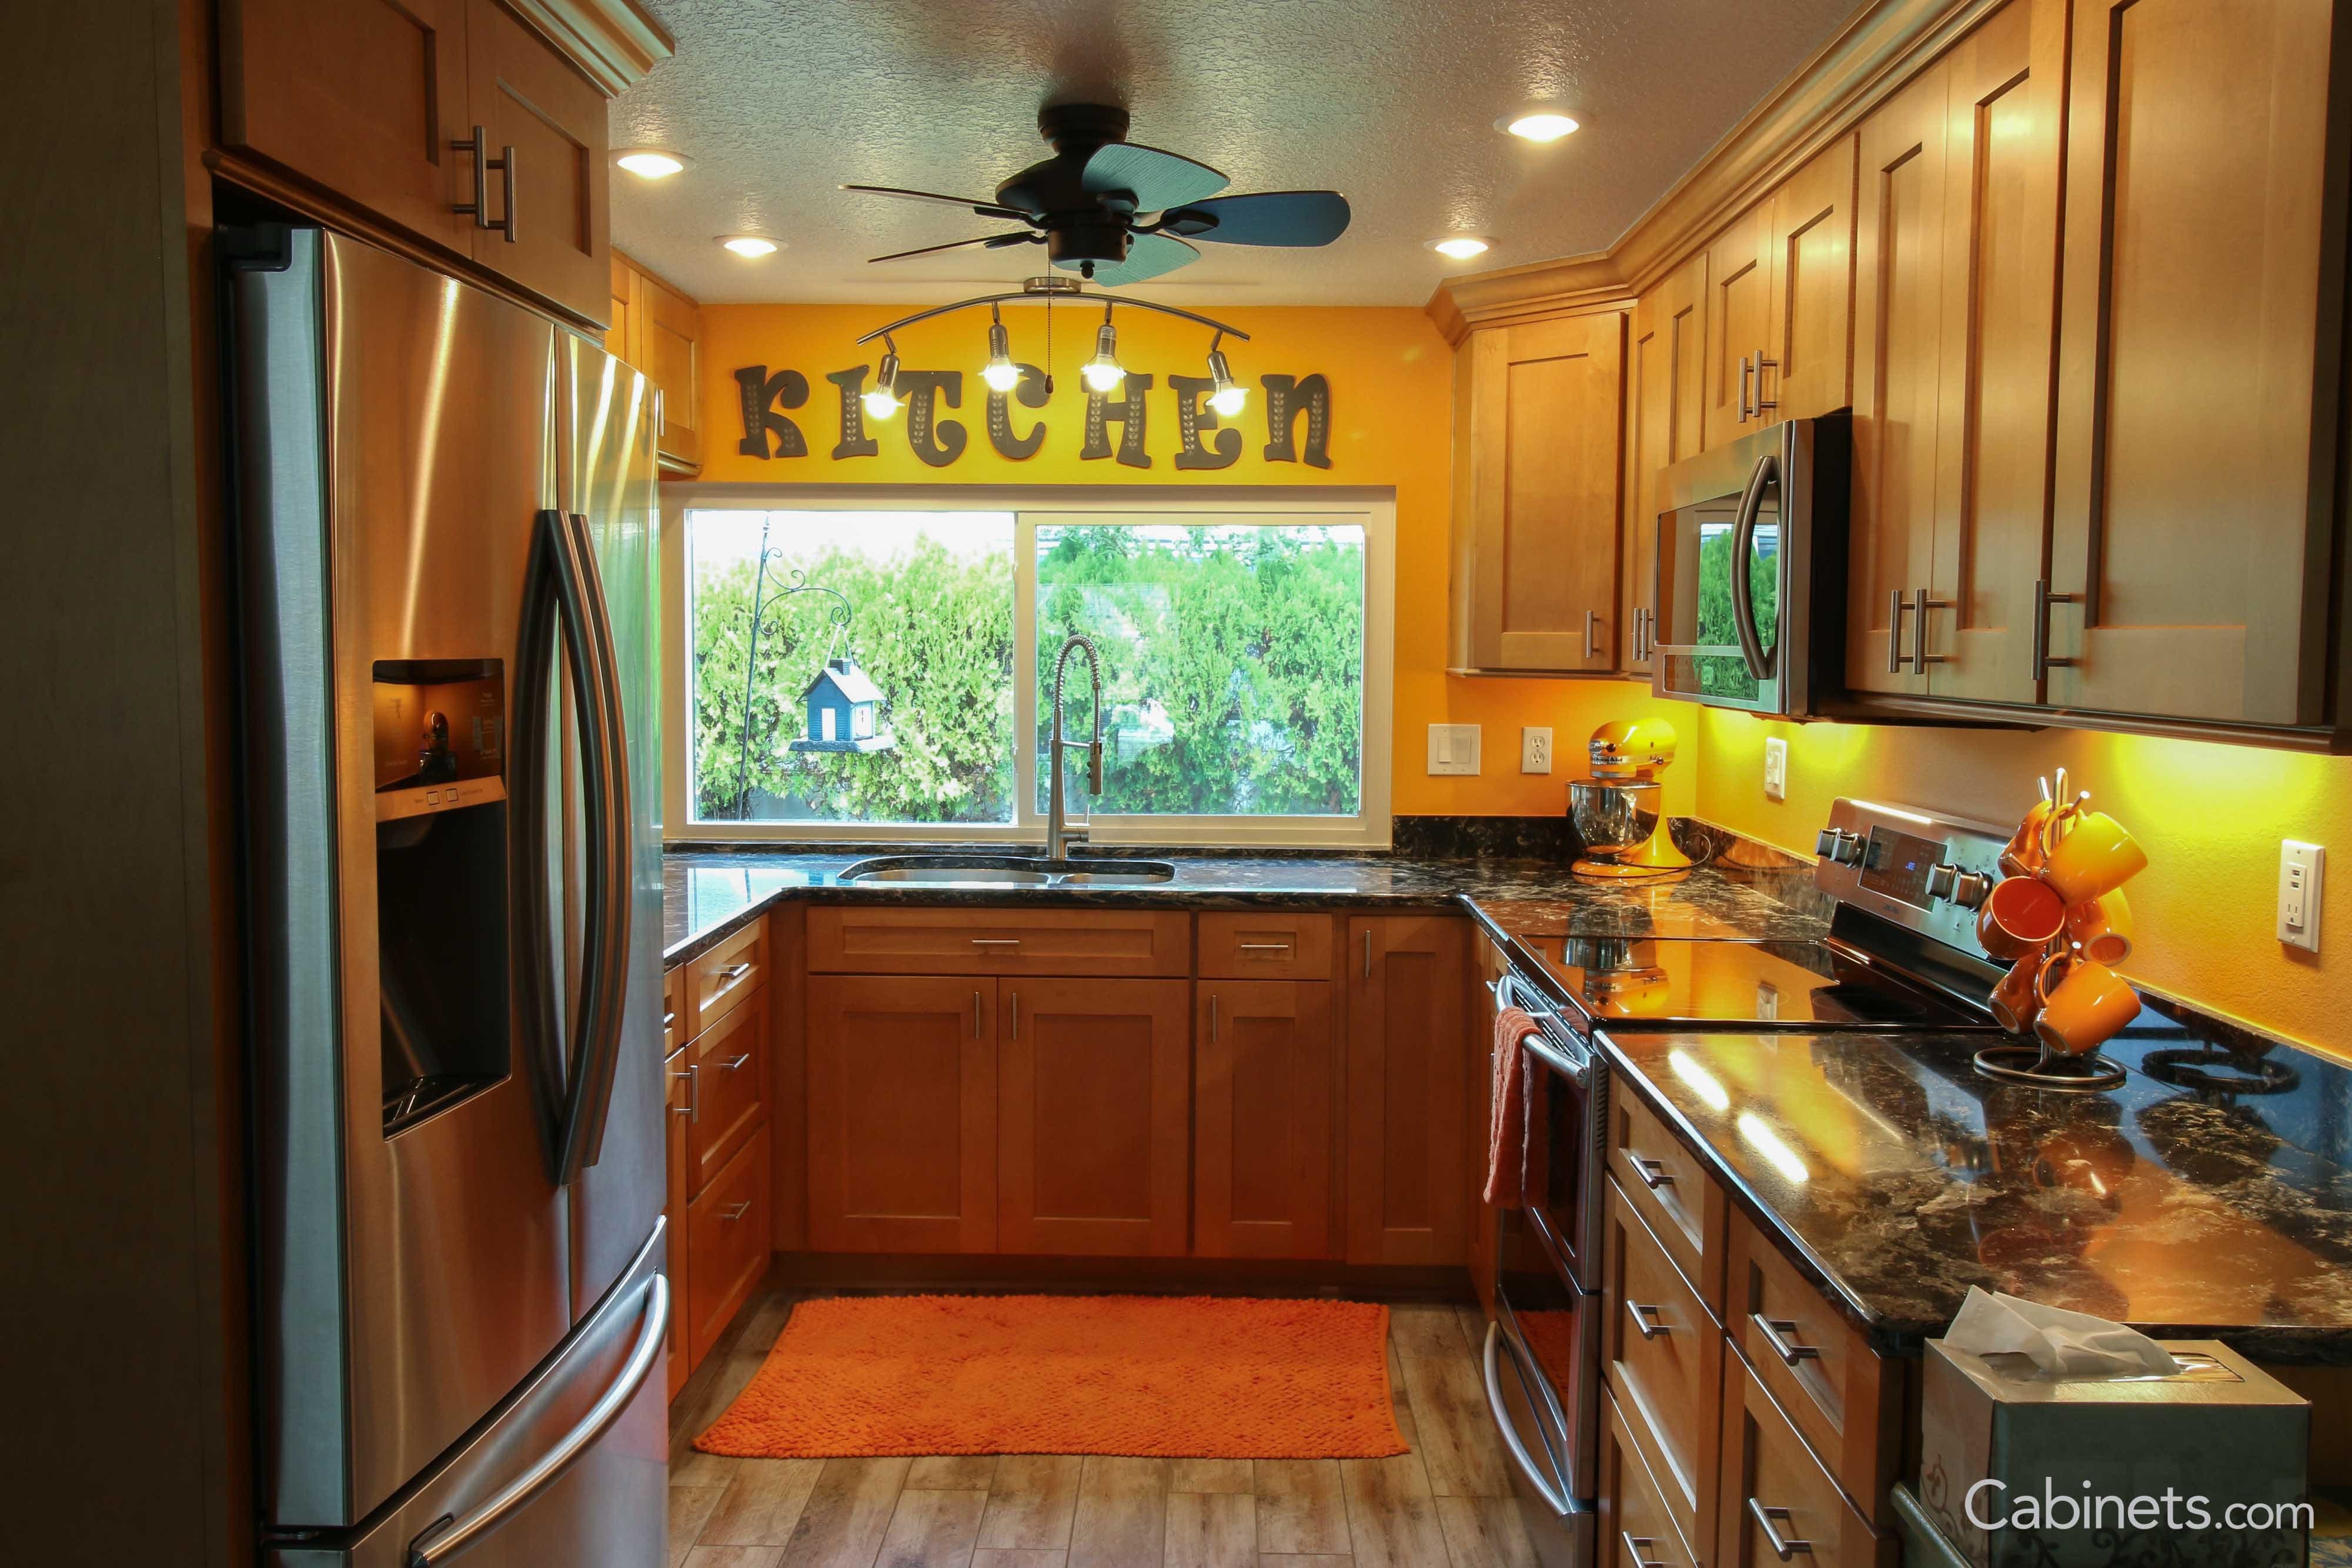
(440, 735)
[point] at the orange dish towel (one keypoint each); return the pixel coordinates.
(1193, 1377)
(1507, 1129)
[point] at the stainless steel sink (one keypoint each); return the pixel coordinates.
(1008, 871)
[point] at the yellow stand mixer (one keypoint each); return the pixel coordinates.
(1618, 812)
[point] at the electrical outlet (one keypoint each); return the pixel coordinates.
(1776, 769)
(2302, 877)
(1535, 749)
(1453, 749)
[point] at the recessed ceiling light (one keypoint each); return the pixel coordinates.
(751, 245)
(650, 162)
(1461, 247)
(1538, 124)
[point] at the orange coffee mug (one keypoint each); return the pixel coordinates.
(2103, 928)
(2013, 1002)
(2018, 917)
(2084, 1010)
(2023, 854)
(2092, 853)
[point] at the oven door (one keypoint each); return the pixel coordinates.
(1567, 1099)
(1543, 1386)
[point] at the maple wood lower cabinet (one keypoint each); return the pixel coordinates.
(1094, 1099)
(902, 1113)
(1408, 1071)
(1264, 1076)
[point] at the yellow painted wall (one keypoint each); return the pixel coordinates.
(1392, 407)
(2210, 816)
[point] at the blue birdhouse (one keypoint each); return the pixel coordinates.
(843, 711)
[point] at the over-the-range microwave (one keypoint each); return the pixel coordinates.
(1751, 559)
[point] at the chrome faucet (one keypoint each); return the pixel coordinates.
(1059, 833)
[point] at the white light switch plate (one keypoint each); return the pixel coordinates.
(1535, 749)
(1453, 749)
(1776, 769)
(2301, 879)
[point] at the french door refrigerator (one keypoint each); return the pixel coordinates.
(446, 544)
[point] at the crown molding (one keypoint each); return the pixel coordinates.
(613, 42)
(1880, 47)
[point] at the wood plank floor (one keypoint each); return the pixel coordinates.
(1446, 1504)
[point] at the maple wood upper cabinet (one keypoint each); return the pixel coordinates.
(1954, 281)
(1407, 1067)
(659, 331)
(1665, 389)
(2197, 392)
(1538, 410)
(376, 102)
(1263, 1075)
(1778, 297)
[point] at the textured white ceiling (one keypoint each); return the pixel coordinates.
(1391, 102)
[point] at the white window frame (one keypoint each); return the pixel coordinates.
(1283, 505)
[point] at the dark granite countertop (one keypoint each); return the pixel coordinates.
(1899, 1177)
(708, 893)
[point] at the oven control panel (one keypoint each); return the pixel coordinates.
(1925, 872)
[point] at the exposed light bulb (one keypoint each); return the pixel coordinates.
(750, 246)
(1001, 373)
(1542, 125)
(881, 400)
(1227, 396)
(1104, 372)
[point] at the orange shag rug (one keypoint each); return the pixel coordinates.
(1195, 1378)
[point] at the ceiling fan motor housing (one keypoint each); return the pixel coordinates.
(1071, 244)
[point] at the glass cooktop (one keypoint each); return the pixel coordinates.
(1621, 982)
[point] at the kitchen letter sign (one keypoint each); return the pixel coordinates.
(769, 430)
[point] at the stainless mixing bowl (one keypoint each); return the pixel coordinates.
(1613, 815)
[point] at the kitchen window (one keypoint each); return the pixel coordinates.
(1245, 643)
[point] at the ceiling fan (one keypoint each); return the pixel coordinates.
(1115, 212)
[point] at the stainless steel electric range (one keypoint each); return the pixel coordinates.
(1900, 954)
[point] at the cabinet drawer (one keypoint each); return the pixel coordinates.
(1272, 946)
(727, 1244)
(1674, 1193)
(1636, 1528)
(1068, 942)
(728, 1066)
(1779, 1504)
(722, 978)
(1818, 1368)
(677, 1015)
(1664, 1359)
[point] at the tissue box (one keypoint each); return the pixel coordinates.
(2205, 1467)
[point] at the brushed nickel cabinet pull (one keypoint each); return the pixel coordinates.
(734, 971)
(736, 1065)
(1767, 1519)
(734, 1211)
(1652, 1172)
(1895, 608)
(975, 1015)
(1763, 403)
(686, 1110)
(1781, 1334)
(1368, 952)
(996, 941)
(1212, 1017)
(1642, 1313)
(1266, 946)
(1746, 370)
(1591, 634)
(694, 1091)
(506, 167)
(478, 209)
(2044, 662)
(1920, 605)
(1637, 1551)
(1012, 1015)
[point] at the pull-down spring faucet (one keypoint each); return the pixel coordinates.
(1060, 834)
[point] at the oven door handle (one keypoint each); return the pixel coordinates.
(1502, 989)
(1503, 1423)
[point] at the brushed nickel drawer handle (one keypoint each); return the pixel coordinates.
(1652, 1173)
(668, 1019)
(1592, 635)
(1212, 1017)
(1643, 1313)
(1637, 1549)
(1014, 1014)
(686, 1110)
(1746, 371)
(736, 1065)
(996, 941)
(734, 971)
(1266, 946)
(1763, 364)
(1781, 1334)
(1766, 1520)
(975, 1015)
(694, 1091)
(735, 1211)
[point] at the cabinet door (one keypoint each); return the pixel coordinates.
(1999, 276)
(1898, 326)
(364, 97)
(1665, 390)
(2190, 496)
(528, 96)
(1739, 323)
(621, 322)
(1542, 494)
(902, 1113)
(1264, 1082)
(1812, 289)
(1094, 1117)
(670, 349)
(1408, 1063)
(677, 1105)
(727, 1247)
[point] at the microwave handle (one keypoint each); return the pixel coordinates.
(1743, 541)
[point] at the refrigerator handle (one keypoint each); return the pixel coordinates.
(604, 988)
(1759, 659)
(447, 1536)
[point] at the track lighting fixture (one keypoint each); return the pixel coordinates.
(1001, 373)
(1103, 373)
(1226, 395)
(882, 400)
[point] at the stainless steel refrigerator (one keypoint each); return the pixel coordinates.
(446, 544)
